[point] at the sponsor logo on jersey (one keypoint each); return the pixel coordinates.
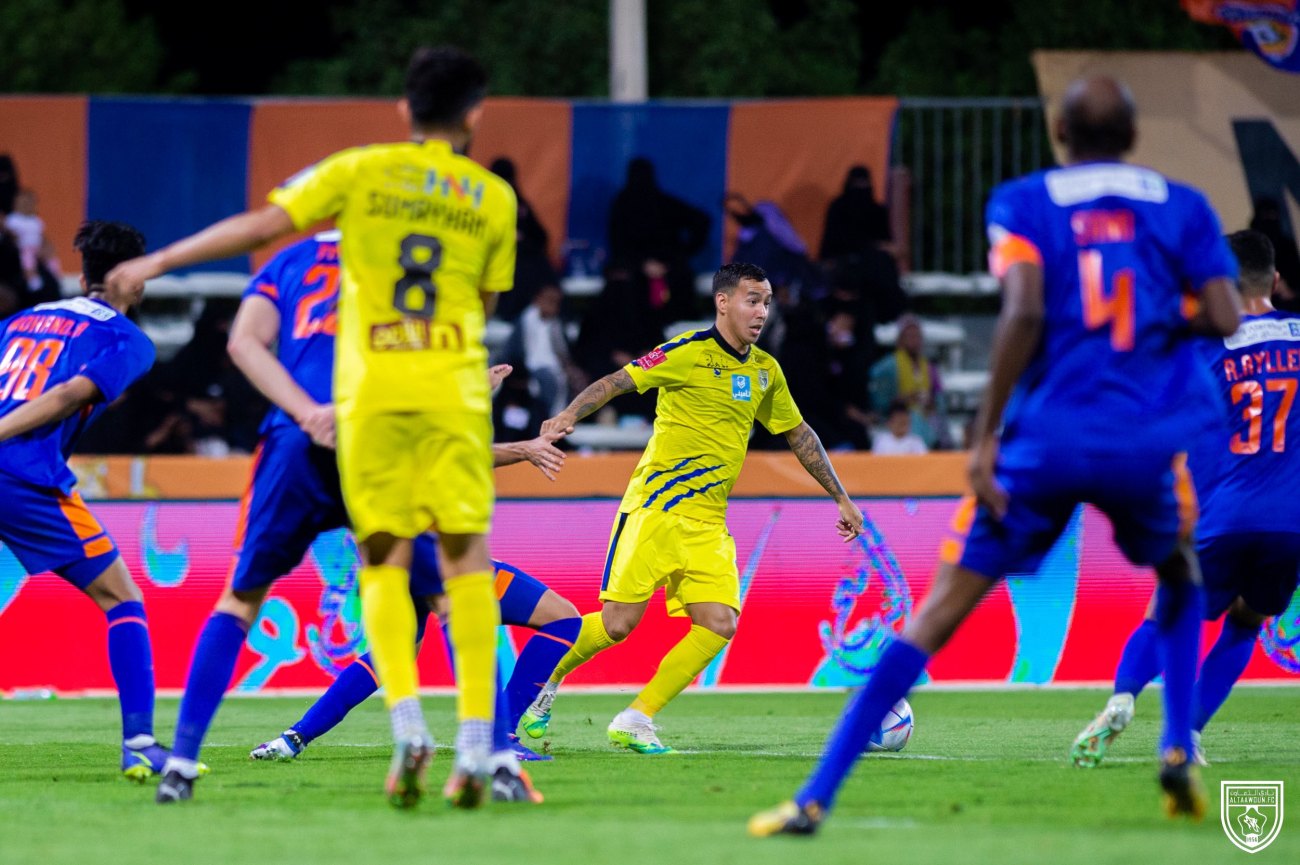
(652, 359)
(740, 387)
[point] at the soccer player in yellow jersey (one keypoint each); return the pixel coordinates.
(428, 243)
(671, 528)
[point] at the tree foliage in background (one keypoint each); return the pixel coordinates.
(943, 52)
(554, 49)
(70, 46)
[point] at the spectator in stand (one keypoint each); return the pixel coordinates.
(8, 184)
(545, 350)
(619, 327)
(826, 370)
(517, 414)
(533, 269)
(908, 376)
(897, 437)
(855, 221)
(36, 254)
(1267, 220)
(658, 234)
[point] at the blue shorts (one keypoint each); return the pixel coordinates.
(1149, 501)
(517, 592)
(293, 497)
(1260, 567)
(49, 531)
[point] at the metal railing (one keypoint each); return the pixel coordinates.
(956, 151)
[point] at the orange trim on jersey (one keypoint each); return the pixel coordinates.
(133, 619)
(1191, 306)
(241, 521)
(79, 517)
(1010, 250)
(952, 547)
(502, 583)
(269, 290)
(368, 669)
(1189, 510)
(98, 547)
(553, 637)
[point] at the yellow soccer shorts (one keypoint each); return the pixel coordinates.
(693, 560)
(406, 473)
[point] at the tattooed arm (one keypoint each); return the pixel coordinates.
(808, 448)
(589, 401)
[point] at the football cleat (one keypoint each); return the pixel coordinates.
(638, 736)
(524, 753)
(511, 783)
(141, 764)
(1091, 745)
(1181, 782)
(287, 746)
(405, 782)
(788, 818)
(538, 716)
(468, 782)
(174, 787)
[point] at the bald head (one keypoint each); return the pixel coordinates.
(1097, 119)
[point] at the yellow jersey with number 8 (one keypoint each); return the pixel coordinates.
(425, 230)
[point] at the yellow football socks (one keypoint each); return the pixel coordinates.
(473, 619)
(389, 620)
(680, 666)
(592, 640)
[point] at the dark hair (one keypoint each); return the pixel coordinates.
(105, 245)
(726, 279)
(1254, 253)
(896, 406)
(1102, 122)
(442, 85)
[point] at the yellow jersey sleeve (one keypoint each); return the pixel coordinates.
(499, 275)
(669, 364)
(317, 192)
(777, 412)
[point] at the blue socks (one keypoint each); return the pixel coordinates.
(131, 659)
(536, 663)
(349, 690)
(210, 672)
(1223, 666)
(1179, 610)
(1140, 662)
(899, 668)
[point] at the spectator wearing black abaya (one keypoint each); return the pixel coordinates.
(532, 263)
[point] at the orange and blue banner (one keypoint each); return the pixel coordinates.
(171, 166)
(1270, 28)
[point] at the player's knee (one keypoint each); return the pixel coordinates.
(1244, 617)
(1180, 567)
(242, 603)
(114, 586)
(723, 627)
(619, 629)
(552, 608)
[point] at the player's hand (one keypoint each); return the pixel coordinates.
(849, 525)
(319, 424)
(497, 374)
(542, 453)
(560, 425)
(125, 283)
(984, 484)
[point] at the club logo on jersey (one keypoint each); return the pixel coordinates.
(448, 186)
(652, 359)
(740, 388)
(762, 379)
(1251, 813)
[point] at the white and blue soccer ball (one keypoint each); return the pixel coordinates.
(895, 730)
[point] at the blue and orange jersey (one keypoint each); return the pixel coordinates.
(48, 345)
(1124, 254)
(1248, 470)
(302, 281)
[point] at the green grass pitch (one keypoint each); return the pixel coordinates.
(984, 779)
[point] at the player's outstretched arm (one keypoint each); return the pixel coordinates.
(256, 327)
(592, 399)
(59, 402)
(540, 451)
(807, 446)
(234, 235)
(1019, 327)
